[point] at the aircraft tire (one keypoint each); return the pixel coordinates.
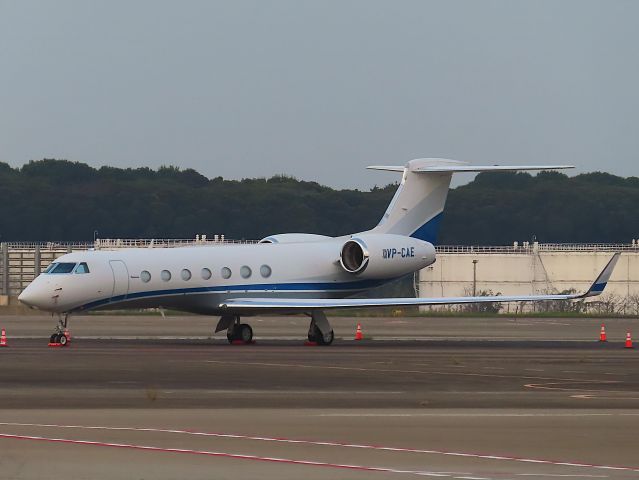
(326, 340)
(62, 339)
(245, 333)
(315, 335)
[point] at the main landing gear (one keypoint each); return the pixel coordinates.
(320, 331)
(60, 337)
(236, 332)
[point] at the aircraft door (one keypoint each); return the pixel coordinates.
(120, 278)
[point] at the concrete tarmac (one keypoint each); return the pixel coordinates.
(146, 397)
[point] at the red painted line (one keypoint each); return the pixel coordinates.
(485, 456)
(212, 454)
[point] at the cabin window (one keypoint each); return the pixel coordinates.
(265, 271)
(206, 273)
(186, 274)
(165, 275)
(63, 267)
(226, 272)
(245, 271)
(82, 268)
(145, 276)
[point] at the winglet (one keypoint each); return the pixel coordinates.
(602, 280)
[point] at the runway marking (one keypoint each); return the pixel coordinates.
(482, 456)
(599, 397)
(421, 372)
(568, 475)
(553, 386)
(237, 456)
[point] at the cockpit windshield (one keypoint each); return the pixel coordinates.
(82, 268)
(50, 267)
(62, 267)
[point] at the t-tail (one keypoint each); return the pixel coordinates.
(417, 207)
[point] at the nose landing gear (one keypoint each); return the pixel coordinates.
(60, 337)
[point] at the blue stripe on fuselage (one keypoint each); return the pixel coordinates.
(260, 287)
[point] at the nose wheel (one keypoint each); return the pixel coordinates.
(61, 336)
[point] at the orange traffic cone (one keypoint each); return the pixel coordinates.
(602, 335)
(3, 339)
(628, 341)
(358, 333)
(68, 335)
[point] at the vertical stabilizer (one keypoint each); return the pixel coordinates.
(417, 207)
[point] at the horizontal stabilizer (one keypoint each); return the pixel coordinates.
(489, 168)
(388, 168)
(470, 168)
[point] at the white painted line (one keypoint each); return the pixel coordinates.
(422, 372)
(482, 456)
(237, 456)
(560, 475)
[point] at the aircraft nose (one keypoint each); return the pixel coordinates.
(30, 297)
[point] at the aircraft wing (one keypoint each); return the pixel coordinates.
(305, 304)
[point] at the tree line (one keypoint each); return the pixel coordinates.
(62, 200)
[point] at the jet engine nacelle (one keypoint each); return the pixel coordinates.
(385, 255)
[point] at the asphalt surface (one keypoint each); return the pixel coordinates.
(152, 397)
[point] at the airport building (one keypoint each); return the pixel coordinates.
(520, 269)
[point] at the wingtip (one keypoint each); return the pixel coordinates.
(600, 283)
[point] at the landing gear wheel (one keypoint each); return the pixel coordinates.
(53, 338)
(242, 332)
(315, 335)
(62, 339)
(326, 339)
(246, 333)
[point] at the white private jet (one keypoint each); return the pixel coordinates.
(282, 274)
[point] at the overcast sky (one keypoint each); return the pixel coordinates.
(320, 89)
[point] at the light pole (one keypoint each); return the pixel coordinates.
(475, 277)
